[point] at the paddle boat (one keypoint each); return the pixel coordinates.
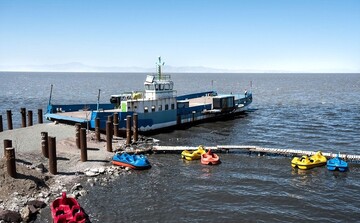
(67, 209)
(134, 161)
(306, 162)
(337, 163)
(210, 158)
(193, 155)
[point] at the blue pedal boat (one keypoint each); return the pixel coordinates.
(134, 161)
(337, 164)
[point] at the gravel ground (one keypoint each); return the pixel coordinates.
(31, 181)
(29, 139)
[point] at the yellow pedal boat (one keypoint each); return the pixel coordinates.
(306, 162)
(193, 155)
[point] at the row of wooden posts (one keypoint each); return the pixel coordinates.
(112, 129)
(48, 143)
(48, 147)
(114, 123)
(23, 118)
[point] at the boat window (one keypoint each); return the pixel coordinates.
(161, 87)
(150, 87)
(167, 87)
(146, 109)
(156, 87)
(160, 108)
(172, 106)
(153, 108)
(166, 107)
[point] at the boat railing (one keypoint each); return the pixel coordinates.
(163, 77)
(157, 94)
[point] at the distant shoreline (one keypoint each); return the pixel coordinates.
(177, 72)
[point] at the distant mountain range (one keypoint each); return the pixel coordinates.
(79, 67)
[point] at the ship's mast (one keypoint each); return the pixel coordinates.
(159, 65)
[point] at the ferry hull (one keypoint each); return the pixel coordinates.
(147, 123)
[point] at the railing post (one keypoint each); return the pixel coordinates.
(83, 145)
(9, 119)
(44, 144)
(23, 117)
(108, 136)
(178, 120)
(77, 134)
(135, 127)
(97, 129)
(128, 130)
(116, 124)
(40, 116)
(7, 144)
(10, 162)
(52, 155)
(30, 118)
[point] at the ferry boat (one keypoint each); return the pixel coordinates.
(158, 107)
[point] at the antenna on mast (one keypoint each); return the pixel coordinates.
(159, 65)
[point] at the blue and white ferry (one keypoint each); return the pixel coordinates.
(157, 106)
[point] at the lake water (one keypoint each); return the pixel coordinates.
(294, 111)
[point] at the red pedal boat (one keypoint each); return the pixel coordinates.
(67, 210)
(210, 158)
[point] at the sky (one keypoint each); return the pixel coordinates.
(235, 35)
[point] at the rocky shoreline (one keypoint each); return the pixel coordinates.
(34, 188)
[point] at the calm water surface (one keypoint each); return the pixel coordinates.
(295, 111)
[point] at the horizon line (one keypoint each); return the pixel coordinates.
(188, 72)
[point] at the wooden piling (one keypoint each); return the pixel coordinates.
(7, 144)
(44, 144)
(110, 119)
(10, 162)
(83, 145)
(108, 136)
(128, 130)
(116, 124)
(52, 155)
(135, 127)
(97, 129)
(30, 118)
(40, 116)
(1, 124)
(9, 119)
(23, 117)
(77, 134)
